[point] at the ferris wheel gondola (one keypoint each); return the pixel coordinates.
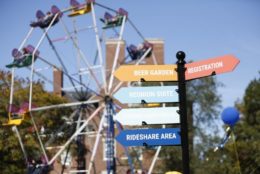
(137, 52)
(44, 20)
(114, 21)
(23, 59)
(17, 114)
(80, 9)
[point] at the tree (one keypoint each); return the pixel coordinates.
(241, 153)
(248, 130)
(203, 104)
(11, 158)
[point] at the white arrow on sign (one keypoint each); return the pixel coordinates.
(159, 115)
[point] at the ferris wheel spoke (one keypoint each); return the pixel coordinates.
(76, 133)
(156, 155)
(33, 57)
(13, 69)
(82, 56)
(105, 7)
(15, 129)
(79, 119)
(26, 38)
(11, 90)
(61, 128)
(61, 62)
(69, 76)
(100, 55)
(154, 59)
(135, 28)
(41, 75)
(144, 56)
(99, 134)
(64, 38)
(64, 105)
(39, 138)
(116, 55)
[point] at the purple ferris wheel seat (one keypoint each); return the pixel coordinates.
(122, 12)
(16, 53)
(107, 16)
(40, 14)
(55, 10)
(31, 49)
(74, 3)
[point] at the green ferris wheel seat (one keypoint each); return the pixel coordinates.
(114, 21)
(24, 58)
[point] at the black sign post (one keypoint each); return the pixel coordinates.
(183, 111)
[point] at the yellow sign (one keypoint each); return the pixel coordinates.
(146, 73)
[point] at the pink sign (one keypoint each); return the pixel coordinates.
(210, 67)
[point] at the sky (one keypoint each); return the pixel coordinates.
(202, 29)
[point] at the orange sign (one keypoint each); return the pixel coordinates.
(146, 72)
(194, 70)
(210, 67)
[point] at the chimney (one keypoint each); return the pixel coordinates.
(158, 52)
(57, 82)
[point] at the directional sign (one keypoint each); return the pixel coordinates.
(158, 94)
(146, 72)
(150, 137)
(159, 115)
(194, 70)
(211, 66)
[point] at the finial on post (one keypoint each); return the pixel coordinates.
(180, 56)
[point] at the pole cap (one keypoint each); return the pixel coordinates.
(180, 55)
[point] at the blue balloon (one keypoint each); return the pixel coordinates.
(230, 116)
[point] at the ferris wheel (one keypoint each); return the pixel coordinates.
(83, 75)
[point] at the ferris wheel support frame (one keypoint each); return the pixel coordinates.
(75, 134)
(61, 62)
(155, 157)
(60, 129)
(100, 128)
(31, 84)
(82, 56)
(14, 128)
(13, 69)
(45, 61)
(33, 57)
(116, 55)
(100, 55)
(64, 105)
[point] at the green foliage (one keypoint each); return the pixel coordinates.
(171, 158)
(248, 130)
(203, 104)
(202, 93)
(251, 103)
(241, 153)
(11, 156)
